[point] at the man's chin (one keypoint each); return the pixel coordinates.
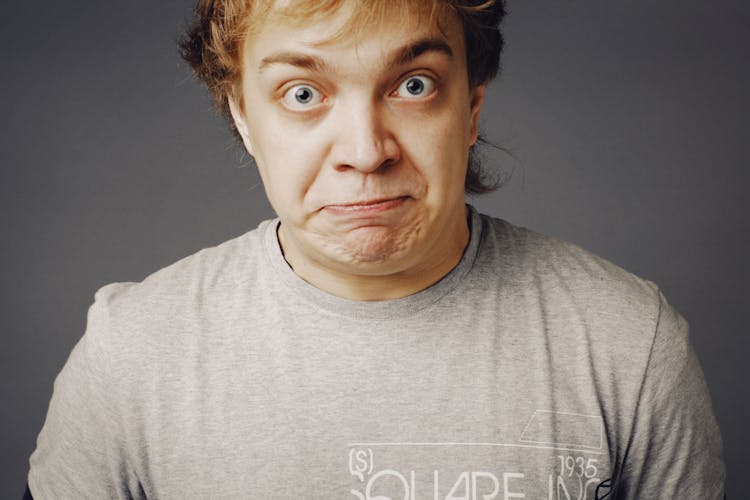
(373, 250)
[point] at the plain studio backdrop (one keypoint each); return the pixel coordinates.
(627, 125)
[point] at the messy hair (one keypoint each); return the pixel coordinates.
(213, 42)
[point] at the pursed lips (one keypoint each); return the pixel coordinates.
(373, 204)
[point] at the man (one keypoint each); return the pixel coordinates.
(380, 339)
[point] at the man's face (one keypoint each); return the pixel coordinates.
(362, 146)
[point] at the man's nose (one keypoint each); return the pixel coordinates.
(365, 138)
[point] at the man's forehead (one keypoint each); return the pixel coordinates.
(339, 20)
(394, 36)
(398, 56)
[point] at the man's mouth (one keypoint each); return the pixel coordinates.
(374, 205)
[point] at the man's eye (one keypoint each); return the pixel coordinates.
(415, 87)
(302, 96)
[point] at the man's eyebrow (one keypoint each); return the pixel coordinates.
(314, 63)
(414, 50)
(298, 59)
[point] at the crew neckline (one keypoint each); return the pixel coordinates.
(381, 309)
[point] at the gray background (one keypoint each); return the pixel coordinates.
(628, 124)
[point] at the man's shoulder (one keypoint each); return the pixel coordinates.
(211, 269)
(171, 300)
(559, 269)
(582, 300)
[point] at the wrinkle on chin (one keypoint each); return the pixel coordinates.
(360, 249)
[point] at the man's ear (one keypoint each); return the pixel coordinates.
(240, 123)
(477, 99)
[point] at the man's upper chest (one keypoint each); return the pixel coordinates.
(422, 407)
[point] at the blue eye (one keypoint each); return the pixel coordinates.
(302, 96)
(416, 86)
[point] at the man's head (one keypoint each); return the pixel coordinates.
(360, 121)
(213, 44)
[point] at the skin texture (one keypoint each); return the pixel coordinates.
(362, 146)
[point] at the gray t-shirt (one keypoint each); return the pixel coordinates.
(532, 370)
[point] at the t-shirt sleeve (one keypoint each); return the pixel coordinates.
(675, 449)
(81, 450)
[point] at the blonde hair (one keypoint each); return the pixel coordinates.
(212, 44)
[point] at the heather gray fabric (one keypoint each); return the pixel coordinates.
(532, 370)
